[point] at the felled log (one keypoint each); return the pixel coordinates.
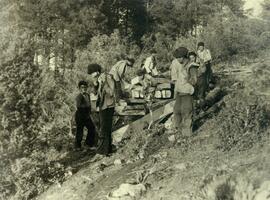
(132, 112)
(233, 72)
(212, 110)
(212, 97)
(162, 80)
(142, 123)
(135, 101)
(134, 107)
(164, 86)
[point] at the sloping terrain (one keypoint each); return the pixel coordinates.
(226, 159)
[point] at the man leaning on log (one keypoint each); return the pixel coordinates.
(184, 76)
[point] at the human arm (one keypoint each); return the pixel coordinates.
(174, 72)
(193, 70)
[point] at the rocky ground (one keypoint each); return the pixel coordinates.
(227, 157)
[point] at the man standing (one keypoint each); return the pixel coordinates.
(184, 76)
(118, 72)
(105, 85)
(200, 88)
(206, 58)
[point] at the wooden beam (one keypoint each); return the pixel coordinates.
(137, 126)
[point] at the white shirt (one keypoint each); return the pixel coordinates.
(150, 67)
(180, 75)
(205, 55)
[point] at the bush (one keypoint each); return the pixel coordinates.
(246, 122)
(106, 51)
(235, 36)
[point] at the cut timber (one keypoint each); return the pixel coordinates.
(234, 71)
(212, 97)
(131, 112)
(139, 125)
(163, 94)
(162, 80)
(198, 120)
(136, 101)
(134, 107)
(214, 109)
(164, 86)
(158, 94)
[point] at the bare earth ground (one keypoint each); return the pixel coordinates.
(192, 169)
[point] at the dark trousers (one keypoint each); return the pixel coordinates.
(183, 110)
(208, 74)
(106, 120)
(82, 121)
(200, 89)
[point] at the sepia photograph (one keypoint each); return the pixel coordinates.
(135, 100)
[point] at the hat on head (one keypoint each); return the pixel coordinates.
(180, 52)
(200, 44)
(94, 67)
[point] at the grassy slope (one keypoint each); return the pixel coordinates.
(192, 170)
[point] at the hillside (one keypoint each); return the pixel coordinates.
(227, 158)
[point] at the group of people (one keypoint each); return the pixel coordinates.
(109, 88)
(190, 75)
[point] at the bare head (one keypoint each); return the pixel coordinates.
(200, 46)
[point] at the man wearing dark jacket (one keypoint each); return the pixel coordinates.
(82, 117)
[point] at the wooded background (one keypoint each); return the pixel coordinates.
(37, 103)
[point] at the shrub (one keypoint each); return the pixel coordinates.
(105, 50)
(247, 121)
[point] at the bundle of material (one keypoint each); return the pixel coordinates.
(164, 91)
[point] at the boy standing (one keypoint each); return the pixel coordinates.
(82, 117)
(206, 58)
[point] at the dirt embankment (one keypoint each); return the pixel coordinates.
(227, 158)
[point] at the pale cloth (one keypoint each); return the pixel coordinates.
(179, 74)
(204, 55)
(150, 67)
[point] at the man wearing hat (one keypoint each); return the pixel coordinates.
(105, 86)
(184, 76)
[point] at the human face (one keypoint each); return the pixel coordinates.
(95, 75)
(83, 89)
(129, 63)
(181, 60)
(192, 58)
(201, 48)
